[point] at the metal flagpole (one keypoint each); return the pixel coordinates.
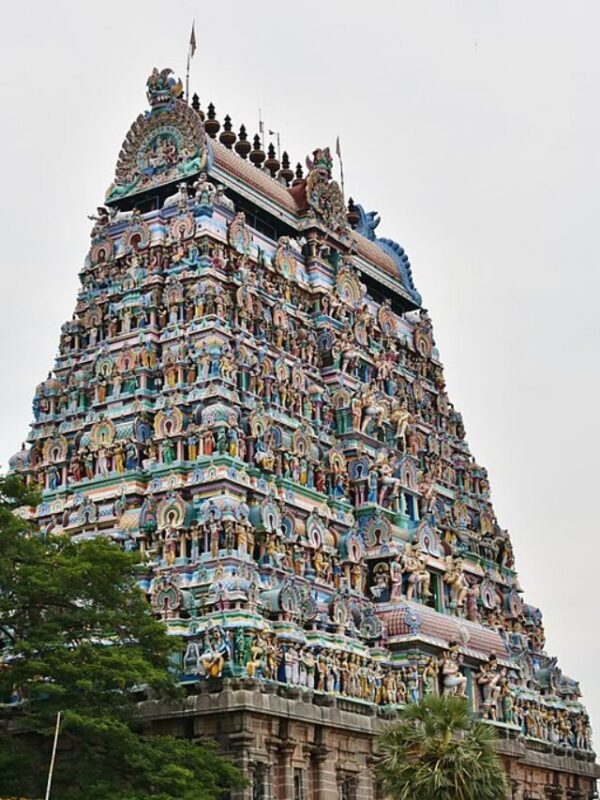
(338, 151)
(191, 51)
(53, 759)
(187, 78)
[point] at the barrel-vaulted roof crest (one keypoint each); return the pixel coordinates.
(164, 145)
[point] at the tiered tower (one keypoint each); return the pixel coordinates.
(250, 396)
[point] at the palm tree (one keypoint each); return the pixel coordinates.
(436, 751)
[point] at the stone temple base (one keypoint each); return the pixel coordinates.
(295, 744)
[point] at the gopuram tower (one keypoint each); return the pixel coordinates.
(249, 395)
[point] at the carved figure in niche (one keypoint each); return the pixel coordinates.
(454, 682)
(471, 609)
(419, 579)
(381, 587)
(257, 659)
(507, 701)
(373, 410)
(456, 580)
(132, 459)
(102, 466)
(213, 533)
(388, 483)
(53, 478)
(489, 679)
(215, 654)
(395, 690)
(400, 418)
(272, 658)
(119, 458)
(430, 676)
(171, 541)
(77, 471)
(263, 455)
(89, 463)
(208, 440)
(291, 664)
(348, 355)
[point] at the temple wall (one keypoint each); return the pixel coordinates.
(299, 749)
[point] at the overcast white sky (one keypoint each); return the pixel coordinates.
(473, 128)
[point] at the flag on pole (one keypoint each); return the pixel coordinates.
(191, 51)
(192, 41)
(338, 149)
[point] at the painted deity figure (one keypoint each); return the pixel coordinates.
(430, 676)
(456, 581)
(489, 679)
(454, 682)
(400, 418)
(215, 654)
(419, 579)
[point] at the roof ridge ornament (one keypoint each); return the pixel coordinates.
(323, 194)
(162, 87)
(368, 222)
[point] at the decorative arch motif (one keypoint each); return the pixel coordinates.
(316, 531)
(409, 475)
(341, 399)
(168, 422)
(285, 260)
(127, 360)
(238, 235)
(388, 322)
(173, 512)
(259, 423)
(105, 366)
(488, 595)
(84, 512)
(136, 236)
(377, 530)
(298, 377)
(337, 461)
(101, 251)
(288, 525)
(181, 227)
(359, 468)
(423, 338)
(103, 433)
(270, 516)
(350, 547)
(513, 604)
(166, 597)
(301, 443)
(276, 436)
(428, 540)
(325, 341)
(55, 449)
(348, 286)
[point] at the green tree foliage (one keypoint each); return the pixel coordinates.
(436, 750)
(76, 637)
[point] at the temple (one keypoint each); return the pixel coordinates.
(250, 396)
